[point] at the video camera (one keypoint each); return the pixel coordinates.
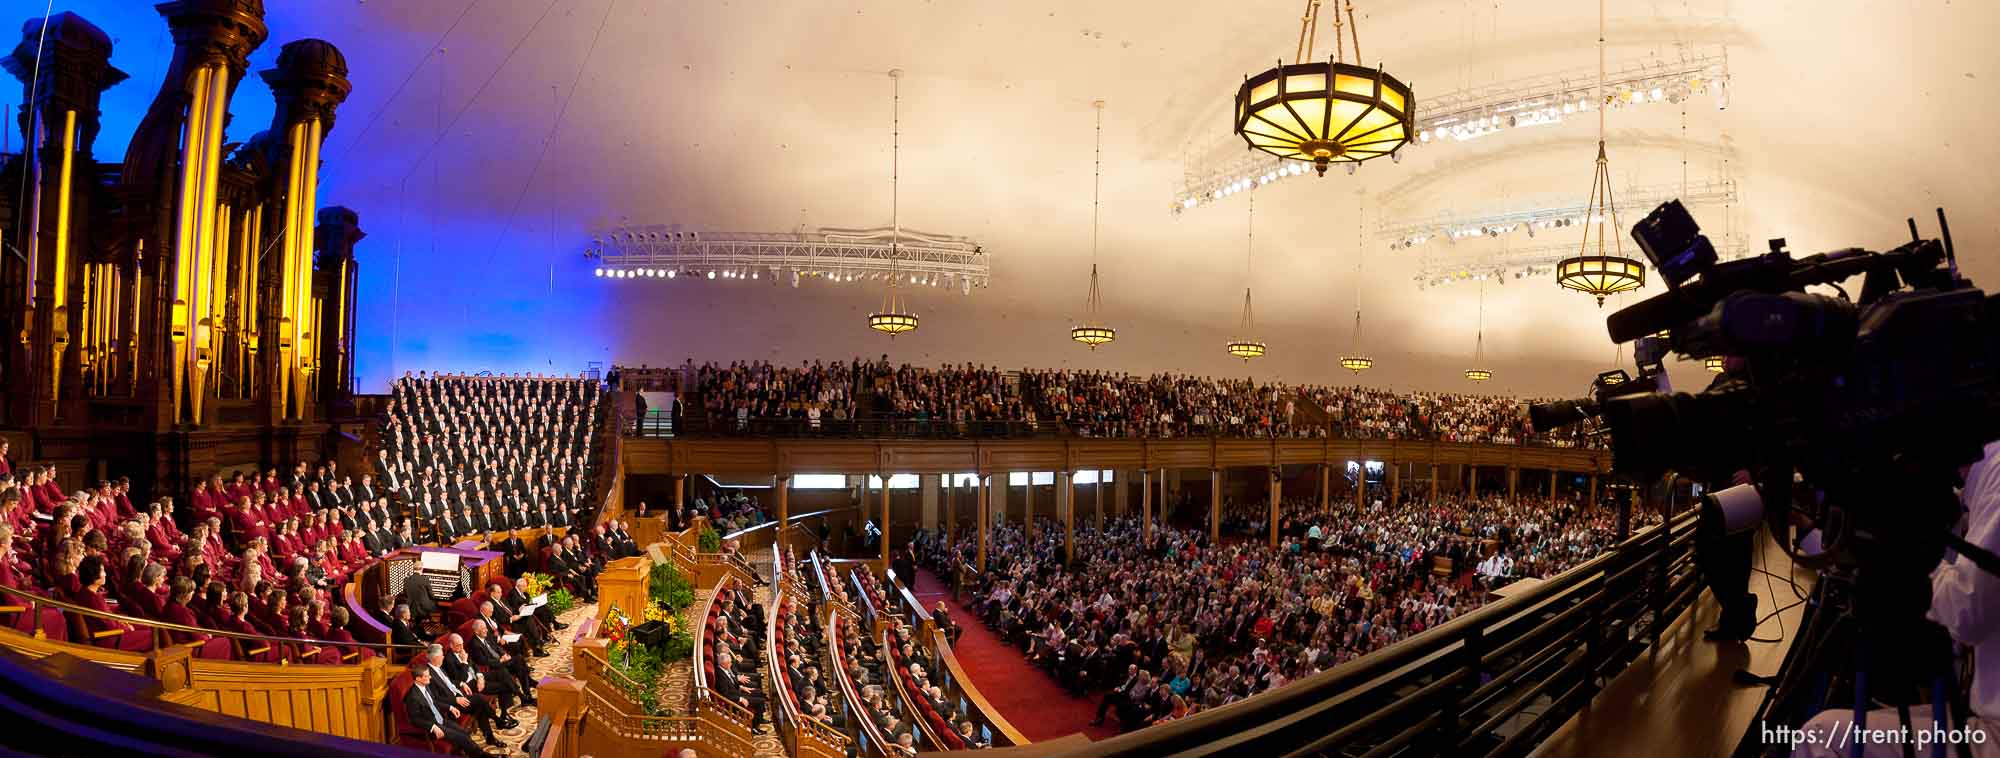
(1837, 389)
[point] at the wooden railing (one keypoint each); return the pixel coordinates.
(704, 700)
(892, 656)
(873, 742)
(611, 730)
(972, 704)
(22, 601)
(804, 736)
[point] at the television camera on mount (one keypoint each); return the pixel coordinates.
(1853, 416)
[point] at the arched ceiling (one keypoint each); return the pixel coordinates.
(761, 115)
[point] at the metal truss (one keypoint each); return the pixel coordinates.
(1442, 267)
(1448, 227)
(665, 251)
(1225, 167)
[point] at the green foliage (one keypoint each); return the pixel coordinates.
(560, 601)
(710, 540)
(679, 647)
(642, 668)
(669, 588)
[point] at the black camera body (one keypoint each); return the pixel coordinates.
(1867, 400)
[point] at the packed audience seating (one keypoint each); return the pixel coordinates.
(262, 560)
(478, 454)
(1175, 625)
(746, 398)
(732, 640)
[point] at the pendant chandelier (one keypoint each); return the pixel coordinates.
(1478, 372)
(1093, 332)
(1246, 346)
(1600, 275)
(1714, 363)
(1327, 111)
(1357, 361)
(895, 317)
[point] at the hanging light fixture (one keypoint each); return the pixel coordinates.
(895, 317)
(1478, 373)
(1093, 332)
(1246, 345)
(1329, 111)
(1715, 364)
(1357, 361)
(1600, 275)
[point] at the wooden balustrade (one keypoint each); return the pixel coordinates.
(873, 743)
(804, 736)
(705, 701)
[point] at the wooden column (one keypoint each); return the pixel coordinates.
(1395, 484)
(1277, 491)
(885, 520)
(1471, 480)
(1552, 484)
(1066, 503)
(784, 484)
(1513, 482)
(1097, 492)
(985, 483)
(950, 504)
(1145, 505)
(1325, 487)
(1434, 483)
(1592, 505)
(1214, 506)
(680, 491)
(1028, 515)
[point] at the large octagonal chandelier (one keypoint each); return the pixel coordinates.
(1093, 332)
(1245, 345)
(895, 317)
(1598, 274)
(1325, 112)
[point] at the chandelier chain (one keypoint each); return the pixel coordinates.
(1308, 31)
(1339, 42)
(1354, 29)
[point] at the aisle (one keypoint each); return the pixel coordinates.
(1027, 696)
(557, 664)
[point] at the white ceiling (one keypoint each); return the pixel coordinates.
(1845, 117)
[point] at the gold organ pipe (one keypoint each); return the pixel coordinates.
(288, 302)
(340, 323)
(61, 320)
(309, 180)
(208, 217)
(253, 259)
(194, 144)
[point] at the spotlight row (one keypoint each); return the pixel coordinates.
(1497, 274)
(932, 280)
(1493, 230)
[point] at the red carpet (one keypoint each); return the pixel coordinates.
(1027, 696)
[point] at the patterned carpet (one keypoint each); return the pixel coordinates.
(557, 663)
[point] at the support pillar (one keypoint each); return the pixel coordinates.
(1121, 498)
(1277, 492)
(950, 504)
(1214, 507)
(927, 496)
(1395, 483)
(1028, 516)
(784, 485)
(1592, 505)
(1471, 480)
(1066, 502)
(1097, 493)
(1434, 483)
(885, 520)
(680, 491)
(985, 483)
(1513, 482)
(1145, 506)
(1552, 484)
(1325, 487)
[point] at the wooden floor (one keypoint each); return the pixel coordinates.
(1678, 699)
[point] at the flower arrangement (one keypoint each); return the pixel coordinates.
(535, 584)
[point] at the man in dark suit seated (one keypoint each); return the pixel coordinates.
(523, 644)
(461, 670)
(427, 714)
(457, 698)
(738, 688)
(533, 632)
(515, 597)
(401, 631)
(500, 665)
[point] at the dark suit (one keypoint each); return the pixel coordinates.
(465, 673)
(513, 672)
(445, 690)
(428, 713)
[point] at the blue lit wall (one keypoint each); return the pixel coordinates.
(446, 282)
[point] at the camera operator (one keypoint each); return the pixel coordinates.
(1724, 559)
(1965, 600)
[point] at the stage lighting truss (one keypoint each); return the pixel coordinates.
(1458, 264)
(1403, 234)
(829, 255)
(1222, 167)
